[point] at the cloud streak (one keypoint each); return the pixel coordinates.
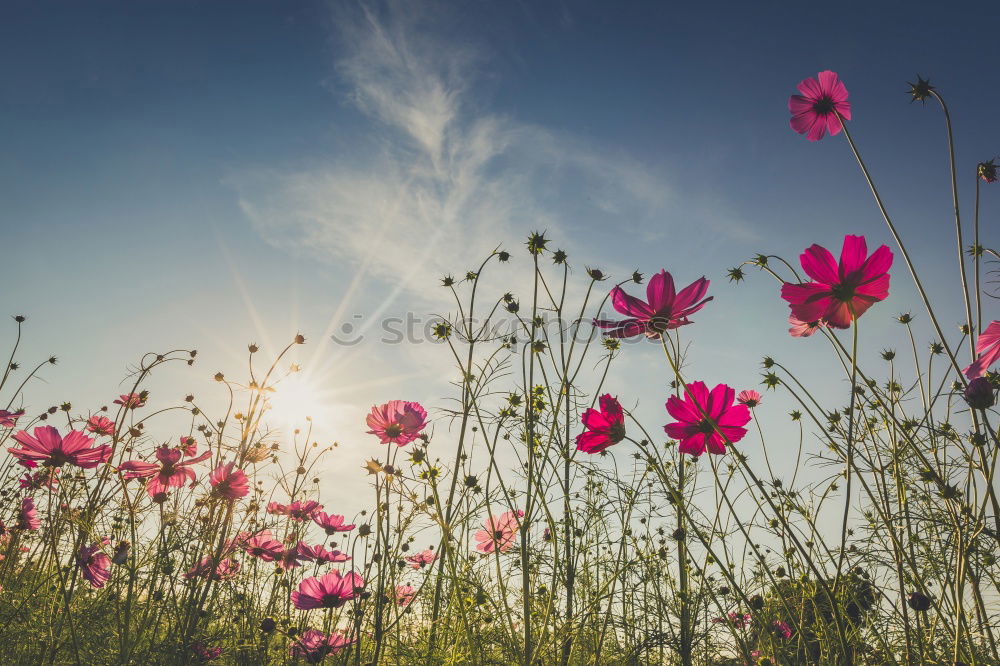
(434, 179)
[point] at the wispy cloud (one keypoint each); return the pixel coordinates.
(435, 178)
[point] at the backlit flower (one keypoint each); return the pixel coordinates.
(44, 478)
(988, 348)
(802, 329)
(170, 470)
(816, 110)
(48, 447)
(95, 565)
(499, 532)
(750, 398)
(397, 422)
(207, 569)
(604, 428)
(839, 294)
(421, 559)
(331, 523)
(319, 553)
(205, 653)
(782, 629)
(229, 481)
(405, 594)
(314, 646)
(9, 419)
(332, 590)
(132, 400)
(297, 510)
(705, 421)
(27, 517)
(663, 310)
(100, 425)
(262, 545)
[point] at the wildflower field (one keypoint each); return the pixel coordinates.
(532, 516)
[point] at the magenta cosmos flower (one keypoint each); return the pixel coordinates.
(397, 422)
(27, 517)
(95, 565)
(814, 112)
(329, 591)
(664, 308)
(47, 478)
(319, 553)
(297, 510)
(262, 545)
(100, 425)
(207, 568)
(9, 419)
(422, 559)
(331, 523)
(205, 653)
(499, 532)
(314, 646)
(229, 481)
(48, 447)
(604, 428)
(839, 294)
(170, 471)
(702, 416)
(132, 400)
(988, 348)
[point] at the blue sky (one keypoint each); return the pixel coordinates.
(207, 174)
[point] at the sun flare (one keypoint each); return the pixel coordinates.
(295, 399)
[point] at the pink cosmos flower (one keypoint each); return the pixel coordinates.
(332, 590)
(988, 348)
(319, 553)
(229, 481)
(397, 421)
(48, 447)
(782, 629)
(262, 545)
(189, 445)
(297, 510)
(663, 310)
(499, 532)
(841, 293)
(695, 432)
(422, 559)
(314, 646)
(293, 556)
(100, 425)
(802, 329)
(44, 478)
(815, 110)
(224, 570)
(738, 620)
(170, 472)
(405, 594)
(604, 428)
(27, 517)
(132, 400)
(750, 398)
(331, 523)
(9, 419)
(95, 565)
(205, 653)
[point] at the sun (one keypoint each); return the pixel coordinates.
(296, 398)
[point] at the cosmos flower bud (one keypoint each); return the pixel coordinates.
(980, 393)
(988, 171)
(918, 602)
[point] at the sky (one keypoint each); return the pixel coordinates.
(210, 174)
